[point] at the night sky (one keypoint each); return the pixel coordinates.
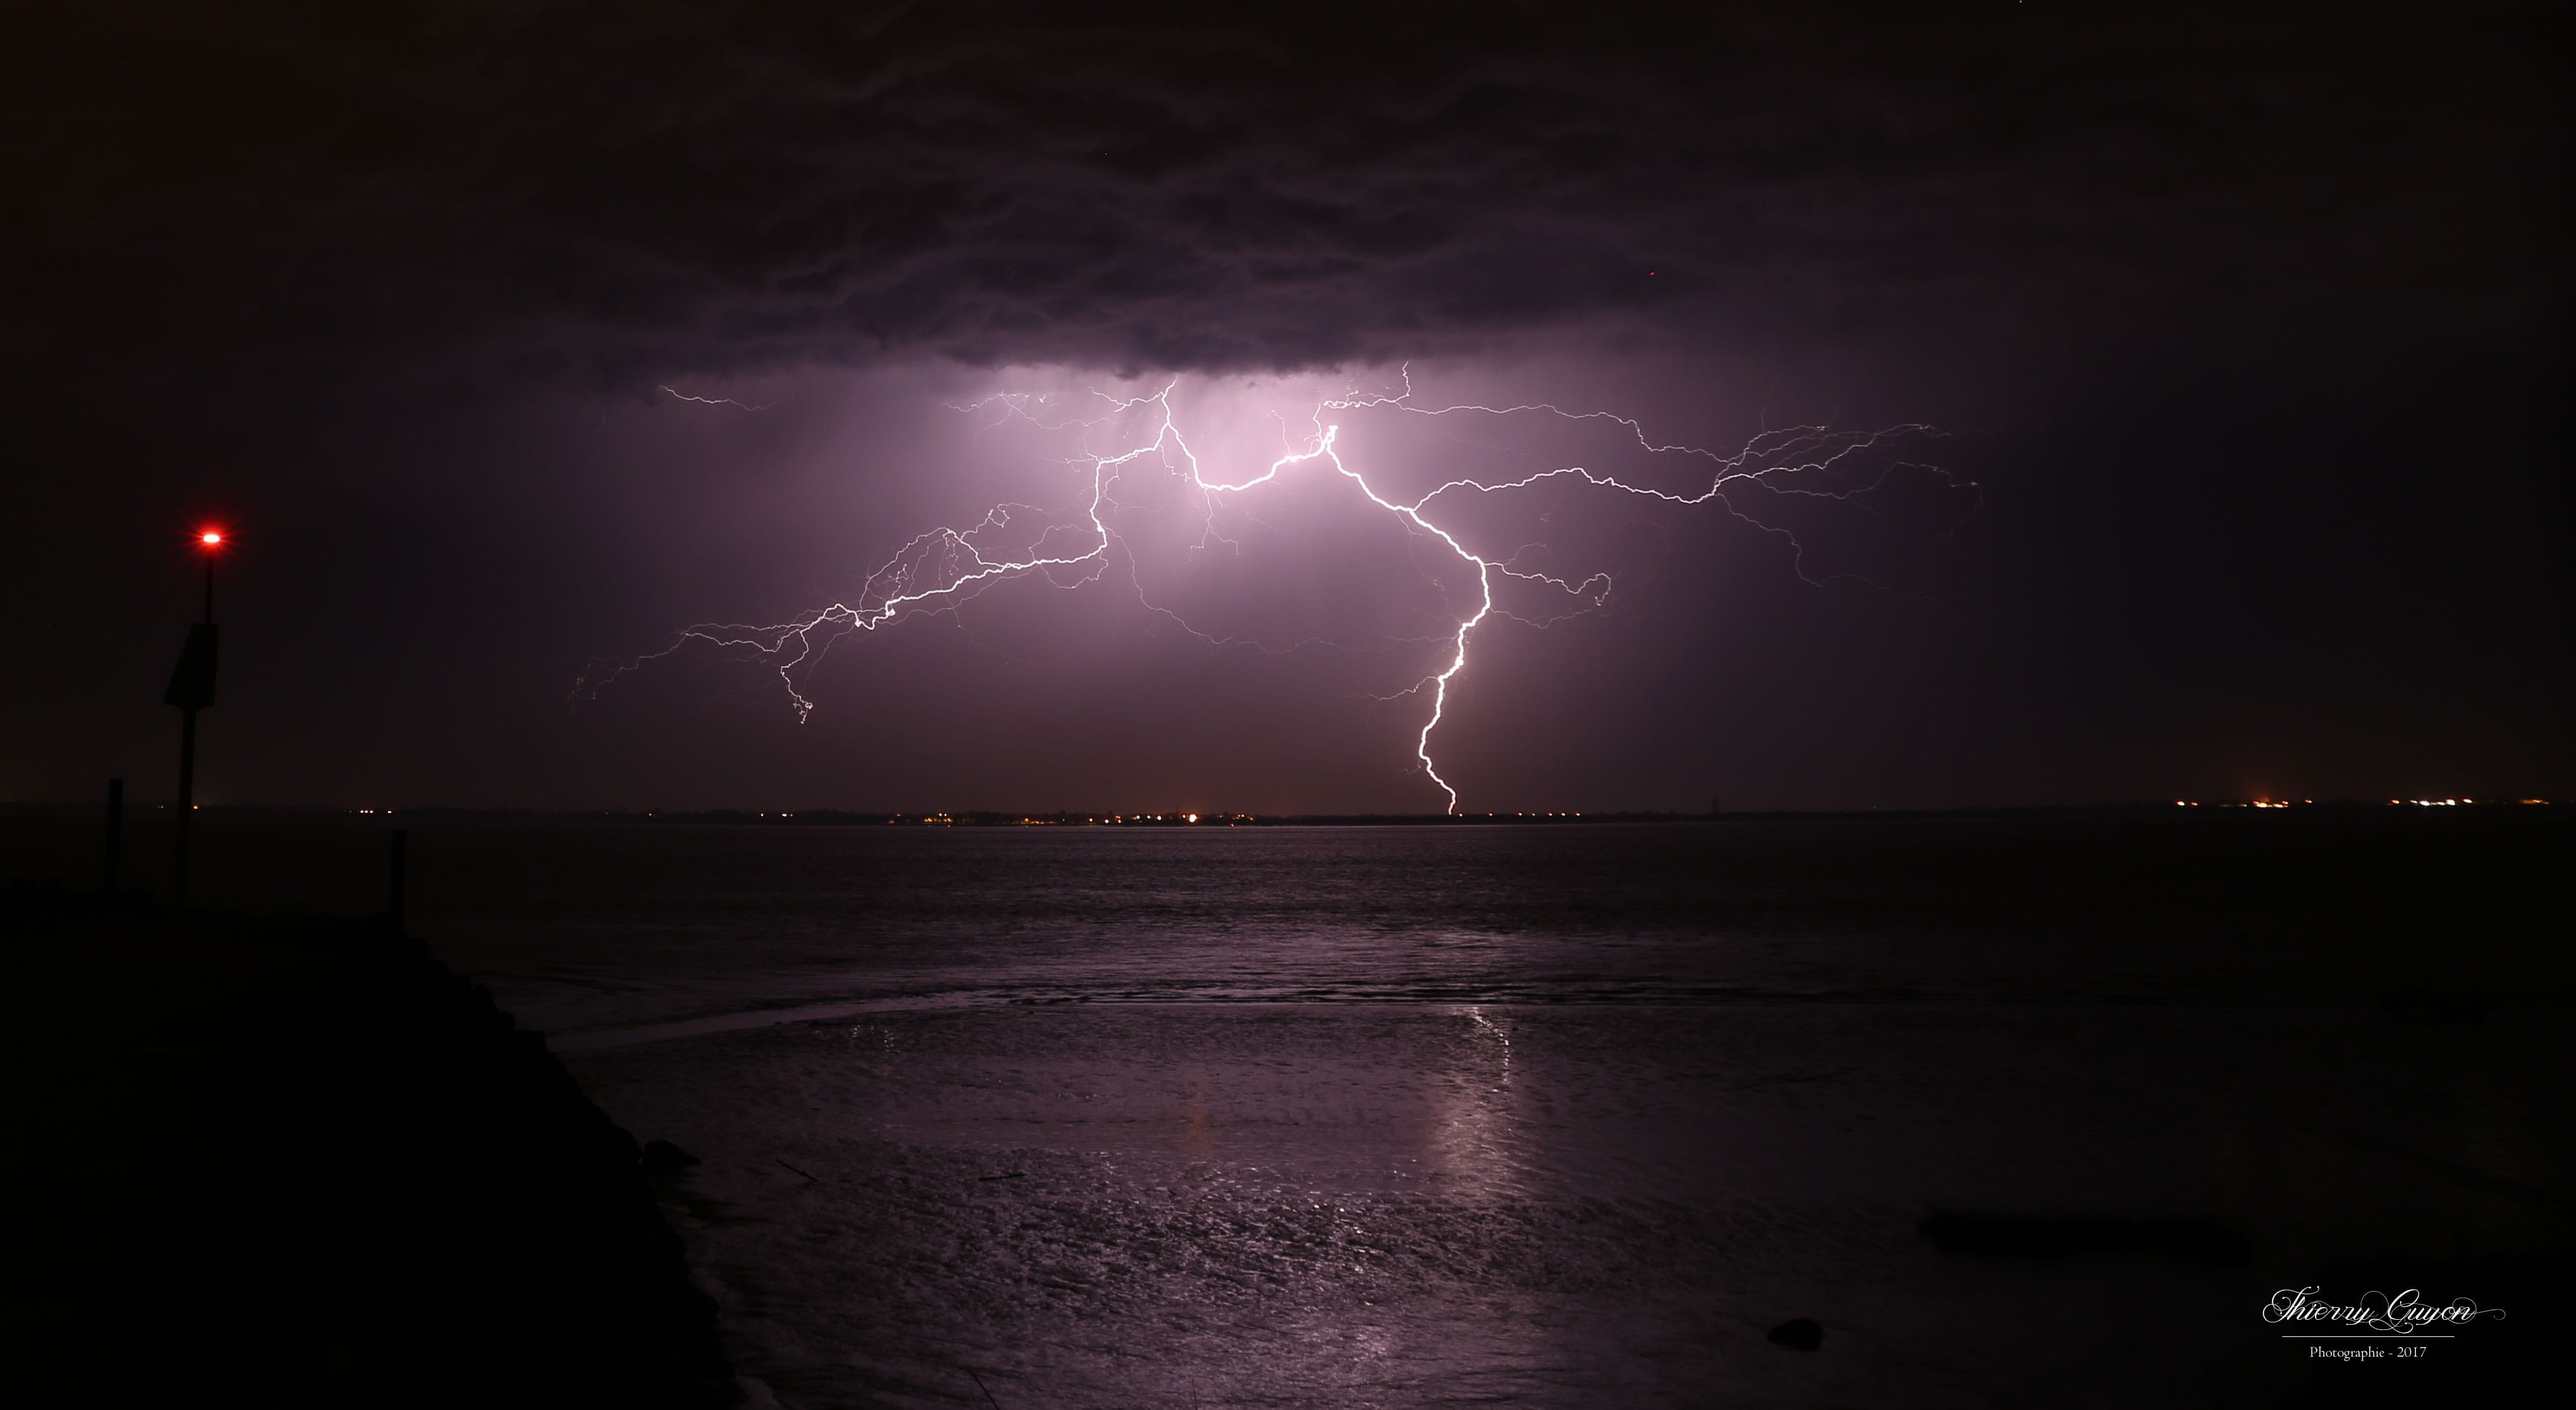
(2248, 326)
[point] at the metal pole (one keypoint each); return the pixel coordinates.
(115, 831)
(210, 587)
(187, 805)
(395, 878)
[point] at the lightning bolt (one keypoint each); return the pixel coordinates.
(678, 395)
(940, 570)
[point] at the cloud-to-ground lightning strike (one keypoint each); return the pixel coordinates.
(941, 569)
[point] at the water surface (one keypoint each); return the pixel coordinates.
(1546, 1116)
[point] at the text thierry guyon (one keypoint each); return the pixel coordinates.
(2391, 1314)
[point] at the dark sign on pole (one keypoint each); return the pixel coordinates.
(192, 681)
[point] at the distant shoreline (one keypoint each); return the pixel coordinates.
(839, 817)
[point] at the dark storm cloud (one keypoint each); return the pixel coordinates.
(626, 189)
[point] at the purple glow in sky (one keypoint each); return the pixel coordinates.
(505, 337)
(1178, 512)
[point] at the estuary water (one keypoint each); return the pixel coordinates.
(1559, 1116)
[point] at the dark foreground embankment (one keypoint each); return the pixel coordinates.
(300, 1162)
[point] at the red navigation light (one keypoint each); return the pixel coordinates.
(211, 538)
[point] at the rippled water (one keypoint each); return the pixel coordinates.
(585, 929)
(1545, 1116)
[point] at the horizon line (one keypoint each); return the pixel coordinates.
(1075, 817)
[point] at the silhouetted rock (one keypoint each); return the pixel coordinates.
(362, 1184)
(1800, 1334)
(662, 1157)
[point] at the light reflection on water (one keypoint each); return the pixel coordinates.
(1474, 1143)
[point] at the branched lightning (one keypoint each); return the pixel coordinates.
(943, 568)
